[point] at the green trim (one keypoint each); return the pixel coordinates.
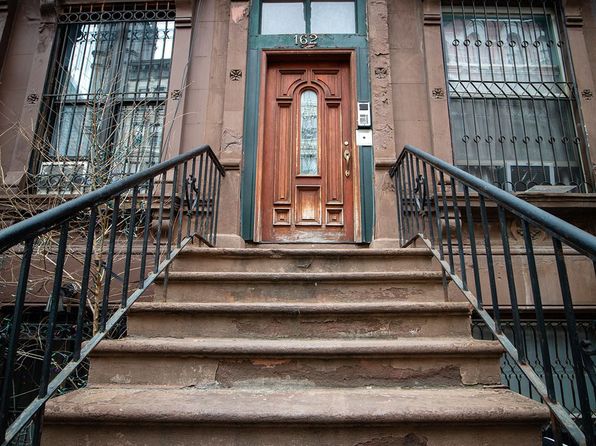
(256, 44)
(251, 111)
(286, 41)
(367, 195)
(307, 15)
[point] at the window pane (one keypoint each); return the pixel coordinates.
(88, 59)
(282, 18)
(309, 141)
(149, 50)
(106, 106)
(138, 139)
(329, 17)
(73, 131)
(516, 143)
(503, 48)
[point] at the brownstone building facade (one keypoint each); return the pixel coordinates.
(308, 104)
(505, 91)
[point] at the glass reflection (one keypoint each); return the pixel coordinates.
(309, 144)
(282, 18)
(333, 17)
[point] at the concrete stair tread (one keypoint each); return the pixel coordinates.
(410, 276)
(156, 405)
(304, 252)
(439, 308)
(328, 348)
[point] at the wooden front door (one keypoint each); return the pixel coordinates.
(308, 164)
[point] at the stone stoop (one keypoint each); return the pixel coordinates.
(274, 346)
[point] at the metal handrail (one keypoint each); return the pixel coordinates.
(41, 222)
(187, 188)
(432, 208)
(572, 235)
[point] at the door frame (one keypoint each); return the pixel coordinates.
(346, 56)
(257, 44)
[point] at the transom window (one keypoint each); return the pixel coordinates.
(512, 106)
(308, 16)
(105, 101)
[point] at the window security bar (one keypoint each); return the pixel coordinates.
(512, 96)
(103, 110)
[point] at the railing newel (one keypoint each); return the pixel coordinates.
(209, 210)
(181, 204)
(412, 202)
(404, 204)
(216, 204)
(426, 201)
(398, 193)
(199, 194)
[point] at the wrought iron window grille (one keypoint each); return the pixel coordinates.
(514, 114)
(103, 112)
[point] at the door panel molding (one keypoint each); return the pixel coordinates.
(318, 208)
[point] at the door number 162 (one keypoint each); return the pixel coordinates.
(306, 39)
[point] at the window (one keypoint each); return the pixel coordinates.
(309, 140)
(512, 107)
(104, 106)
(308, 16)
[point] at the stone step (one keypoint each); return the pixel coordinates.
(300, 320)
(301, 260)
(241, 362)
(419, 286)
(307, 417)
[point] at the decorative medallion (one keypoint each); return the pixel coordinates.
(235, 75)
(438, 93)
(32, 98)
(381, 72)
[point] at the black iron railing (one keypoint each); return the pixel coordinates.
(109, 245)
(559, 351)
(506, 256)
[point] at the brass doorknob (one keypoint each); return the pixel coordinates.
(348, 158)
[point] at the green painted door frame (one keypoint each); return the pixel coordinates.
(256, 44)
